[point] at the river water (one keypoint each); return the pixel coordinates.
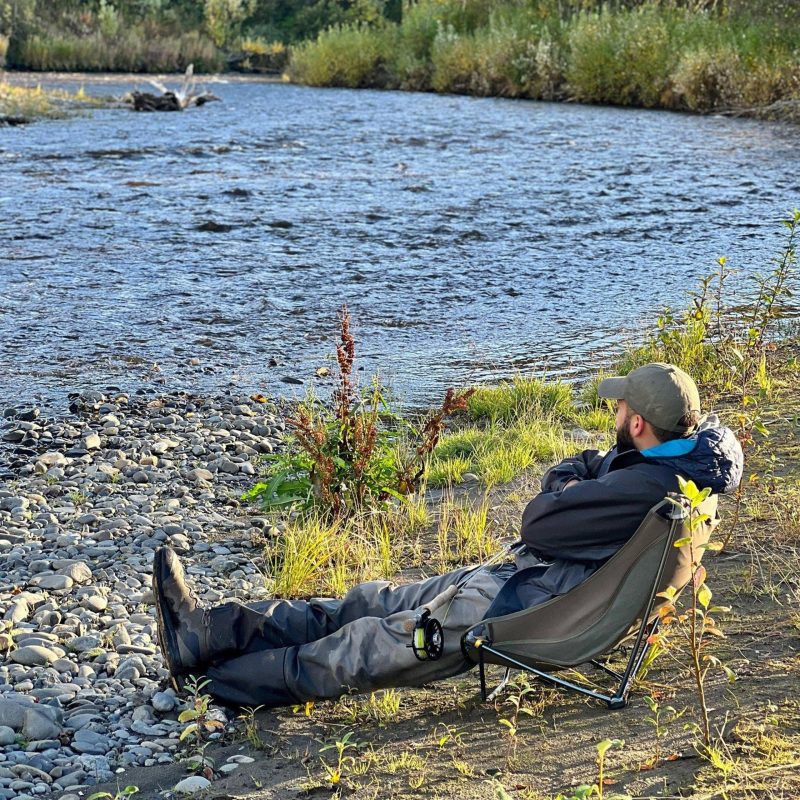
(471, 238)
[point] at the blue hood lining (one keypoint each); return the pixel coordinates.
(672, 448)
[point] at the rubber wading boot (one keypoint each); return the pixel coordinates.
(181, 620)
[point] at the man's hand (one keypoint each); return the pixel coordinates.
(573, 482)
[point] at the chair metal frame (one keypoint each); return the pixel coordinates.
(618, 697)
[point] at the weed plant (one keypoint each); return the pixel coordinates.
(354, 453)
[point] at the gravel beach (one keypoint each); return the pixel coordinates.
(84, 501)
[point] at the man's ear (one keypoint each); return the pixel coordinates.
(638, 425)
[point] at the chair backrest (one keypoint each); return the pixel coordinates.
(595, 616)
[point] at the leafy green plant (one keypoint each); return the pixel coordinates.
(200, 723)
(355, 453)
(252, 731)
(511, 724)
(120, 794)
(661, 718)
(696, 623)
(587, 791)
(344, 761)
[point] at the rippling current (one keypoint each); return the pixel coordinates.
(471, 238)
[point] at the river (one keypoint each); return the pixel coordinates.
(470, 238)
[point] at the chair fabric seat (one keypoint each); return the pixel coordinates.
(595, 616)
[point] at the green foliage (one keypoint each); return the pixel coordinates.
(597, 790)
(647, 54)
(121, 794)
(695, 624)
(343, 760)
(354, 453)
(224, 18)
(351, 55)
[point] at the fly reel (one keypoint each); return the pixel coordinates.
(427, 637)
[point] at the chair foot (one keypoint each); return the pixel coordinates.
(500, 686)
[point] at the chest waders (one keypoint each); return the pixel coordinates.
(427, 636)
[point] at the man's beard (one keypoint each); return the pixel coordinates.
(624, 439)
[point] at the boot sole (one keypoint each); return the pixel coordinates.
(167, 638)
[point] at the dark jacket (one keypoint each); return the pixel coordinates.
(572, 532)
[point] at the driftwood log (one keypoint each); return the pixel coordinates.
(170, 100)
(145, 101)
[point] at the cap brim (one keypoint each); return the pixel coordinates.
(612, 388)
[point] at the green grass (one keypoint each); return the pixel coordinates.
(35, 103)
(513, 426)
(521, 398)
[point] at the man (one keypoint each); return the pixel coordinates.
(282, 652)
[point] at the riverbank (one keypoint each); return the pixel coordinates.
(723, 57)
(90, 494)
(21, 104)
(651, 56)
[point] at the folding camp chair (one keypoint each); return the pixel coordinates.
(617, 601)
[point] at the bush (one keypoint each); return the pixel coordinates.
(623, 58)
(353, 56)
(485, 63)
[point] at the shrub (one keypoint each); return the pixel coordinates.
(477, 64)
(624, 58)
(130, 51)
(353, 56)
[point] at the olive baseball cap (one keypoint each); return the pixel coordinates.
(661, 393)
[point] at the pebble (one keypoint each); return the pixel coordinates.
(93, 496)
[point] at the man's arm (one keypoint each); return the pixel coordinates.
(589, 520)
(582, 467)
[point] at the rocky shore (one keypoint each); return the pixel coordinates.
(84, 501)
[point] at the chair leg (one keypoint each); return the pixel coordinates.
(482, 670)
(500, 686)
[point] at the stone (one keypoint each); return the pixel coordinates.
(53, 459)
(86, 741)
(91, 441)
(95, 602)
(83, 644)
(39, 725)
(33, 655)
(7, 735)
(163, 702)
(200, 475)
(79, 572)
(53, 583)
(192, 785)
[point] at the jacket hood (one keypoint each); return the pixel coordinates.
(711, 458)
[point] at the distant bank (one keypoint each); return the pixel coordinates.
(713, 55)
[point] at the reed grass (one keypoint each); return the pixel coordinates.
(130, 50)
(465, 533)
(513, 426)
(22, 103)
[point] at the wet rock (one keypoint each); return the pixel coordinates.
(7, 735)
